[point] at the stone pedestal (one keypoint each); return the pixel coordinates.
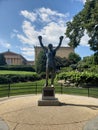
(48, 97)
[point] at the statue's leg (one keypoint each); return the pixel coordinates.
(47, 76)
(53, 74)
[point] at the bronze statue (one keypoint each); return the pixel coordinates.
(50, 62)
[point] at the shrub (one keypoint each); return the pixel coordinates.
(93, 68)
(79, 77)
(43, 75)
(18, 68)
(3, 79)
(13, 78)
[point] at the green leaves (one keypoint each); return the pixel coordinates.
(75, 31)
(87, 19)
(79, 77)
(17, 76)
(74, 58)
(2, 60)
(40, 63)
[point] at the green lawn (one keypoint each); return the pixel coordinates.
(36, 87)
(21, 88)
(92, 92)
(4, 72)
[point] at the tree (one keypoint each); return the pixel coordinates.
(89, 60)
(2, 60)
(60, 62)
(85, 63)
(40, 63)
(87, 19)
(74, 58)
(96, 58)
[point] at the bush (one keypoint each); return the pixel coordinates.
(96, 58)
(79, 77)
(93, 68)
(3, 79)
(40, 63)
(13, 78)
(74, 58)
(66, 69)
(18, 68)
(43, 75)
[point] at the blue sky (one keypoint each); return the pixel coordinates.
(22, 21)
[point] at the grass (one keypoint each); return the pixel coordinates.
(4, 72)
(21, 88)
(92, 92)
(36, 87)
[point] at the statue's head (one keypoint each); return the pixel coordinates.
(50, 46)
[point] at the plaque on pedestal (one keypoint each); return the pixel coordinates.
(48, 93)
(48, 97)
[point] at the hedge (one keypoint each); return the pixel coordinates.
(18, 68)
(79, 77)
(13, 78)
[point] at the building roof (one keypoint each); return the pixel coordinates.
(16, 54)
(12, 53)
(9, 53)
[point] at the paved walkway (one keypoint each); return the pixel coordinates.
(23, 113)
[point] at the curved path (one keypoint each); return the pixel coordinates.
(23, 113)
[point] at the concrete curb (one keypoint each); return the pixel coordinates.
(3, 125)
(92, 124)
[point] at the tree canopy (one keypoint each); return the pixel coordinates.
(87, 19)
(2, 60)
(40, 63)
(74, 58)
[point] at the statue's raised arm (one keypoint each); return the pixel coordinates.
(40, 41)
(61, 38)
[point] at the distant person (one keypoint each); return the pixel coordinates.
(50, 62)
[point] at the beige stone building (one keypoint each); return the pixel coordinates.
(62, 51)
(15, 59)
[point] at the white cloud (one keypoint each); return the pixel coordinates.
(52, 32)
(29, 15)
(43, 15)
(48, 23)
(52, 23)
(84, 39)
(48, 15)
(5, 44)
(14, 33)
(43, 21)
(50, 12)
(83, 1)
(28, 52)
(30, 34)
